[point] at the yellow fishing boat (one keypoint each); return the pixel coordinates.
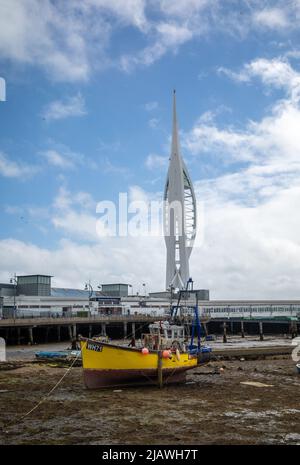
(110, 365)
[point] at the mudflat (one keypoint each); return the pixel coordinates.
(213, 407)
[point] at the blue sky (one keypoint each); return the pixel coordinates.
(88, 115)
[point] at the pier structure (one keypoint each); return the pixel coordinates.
(43, 330)
(39, 330)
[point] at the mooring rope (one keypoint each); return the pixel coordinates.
(43, 398)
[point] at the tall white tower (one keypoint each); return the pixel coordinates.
(179, 215)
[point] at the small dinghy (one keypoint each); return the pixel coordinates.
(298, 368)
(61, 354)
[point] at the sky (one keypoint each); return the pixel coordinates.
(88, 115)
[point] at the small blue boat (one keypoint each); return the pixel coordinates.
(62, 354)
(51, 354)
(298, 367)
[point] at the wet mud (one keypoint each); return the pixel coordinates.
(213, 407)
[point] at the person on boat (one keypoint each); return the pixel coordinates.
(132, 342)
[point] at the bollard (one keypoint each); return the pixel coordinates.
(159, 369)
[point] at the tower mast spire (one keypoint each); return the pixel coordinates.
(180, 209)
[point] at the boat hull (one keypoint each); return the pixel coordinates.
(108, 365)
(97, 379)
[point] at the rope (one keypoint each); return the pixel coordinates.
(43, 398)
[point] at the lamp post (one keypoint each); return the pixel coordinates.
(14, 281)
(144, 286)
(130, 285)
(88, 287)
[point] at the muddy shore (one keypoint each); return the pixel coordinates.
(213, 407)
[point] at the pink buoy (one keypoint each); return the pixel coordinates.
(166, 354)
(145, 351)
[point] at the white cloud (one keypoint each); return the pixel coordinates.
(74, 214)
(49, 35)
(15, 169)
(274, 139)
(154, 161)
(166, 36)
(56, 159)
(61, 156)
(275, 72)
(60, 109)
(153, 123)
(249, 251)
(251, 246)
(102, 262)
(65, 199)
(70, 40)
(107, 166)
(149, 106)
(272, 18)
(131, 12)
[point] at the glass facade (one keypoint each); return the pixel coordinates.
(34, 285)
(115, 290)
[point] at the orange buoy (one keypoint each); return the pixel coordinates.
(145, 351)
(166, 354)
